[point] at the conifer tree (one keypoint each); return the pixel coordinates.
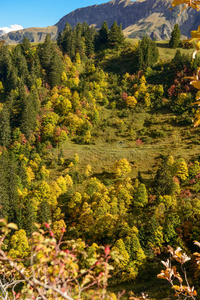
(5, 129)
(71, 46)
(146, 54)
(141, 196)
(175, 37)
(63, 37)
(4, 197)
(85, 27)
(8, 74)
(56, 69)
(20, 63)
(29, 110)
(103, 34)
(115, 36)
(17, 104)
(26, 45)
(89, 42)
(29, 217)
(45, 52)
(59, 40)
(44, 212)
(163, 182)
(139, 60)
(8, 188)
(11, 80)
(79, 39)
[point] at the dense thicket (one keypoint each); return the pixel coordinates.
(146, 54)
(84, 40)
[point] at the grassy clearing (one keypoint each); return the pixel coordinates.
(113, 143)
(165, 53)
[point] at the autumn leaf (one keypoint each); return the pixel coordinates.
(12, 226)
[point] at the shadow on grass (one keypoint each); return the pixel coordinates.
(105, 177)
(162, 45)
(146, 282)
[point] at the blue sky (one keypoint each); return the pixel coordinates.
(38, 13)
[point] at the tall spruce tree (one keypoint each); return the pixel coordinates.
(28, 114)
(63, 38)
(116, 36)
(56, 69)
(8, 74)
(20, 64)
(8, 188)
(5, 129)
(45, 53)
(175, 37)
(146, 54)
(89, 42)
(45, 212)
(26, 45)
(29, 217)
(103, 34)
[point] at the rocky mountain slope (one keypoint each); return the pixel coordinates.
(151, 17)
(138, 17)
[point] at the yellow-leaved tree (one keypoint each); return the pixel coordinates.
(195, 37)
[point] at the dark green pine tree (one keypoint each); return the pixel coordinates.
(8, 74)
(148, 234)
(103, 34)
(12, 189)
(121, 34)
(26, 45)
(5, 129)
(45, 53)
(163, 181)
(27, 116)
(59, 40)
(175, 37)
(29, 217)
(89, 42)
(56, 69)
(146, 54)
(115, 37)
(71, 47)
(147, 51)
(79, 40)
(85, 27)
(11, 80)
(63, 38)
(44, 212)
(8, 188)
(5, 63)
(181, 60)
(4, 197)
(17, 104)
(35, 68)
(138, 59)
(154, 51)
(20, 63)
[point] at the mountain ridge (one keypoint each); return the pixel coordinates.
(138, 18)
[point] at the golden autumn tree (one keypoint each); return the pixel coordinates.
(195, 37)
